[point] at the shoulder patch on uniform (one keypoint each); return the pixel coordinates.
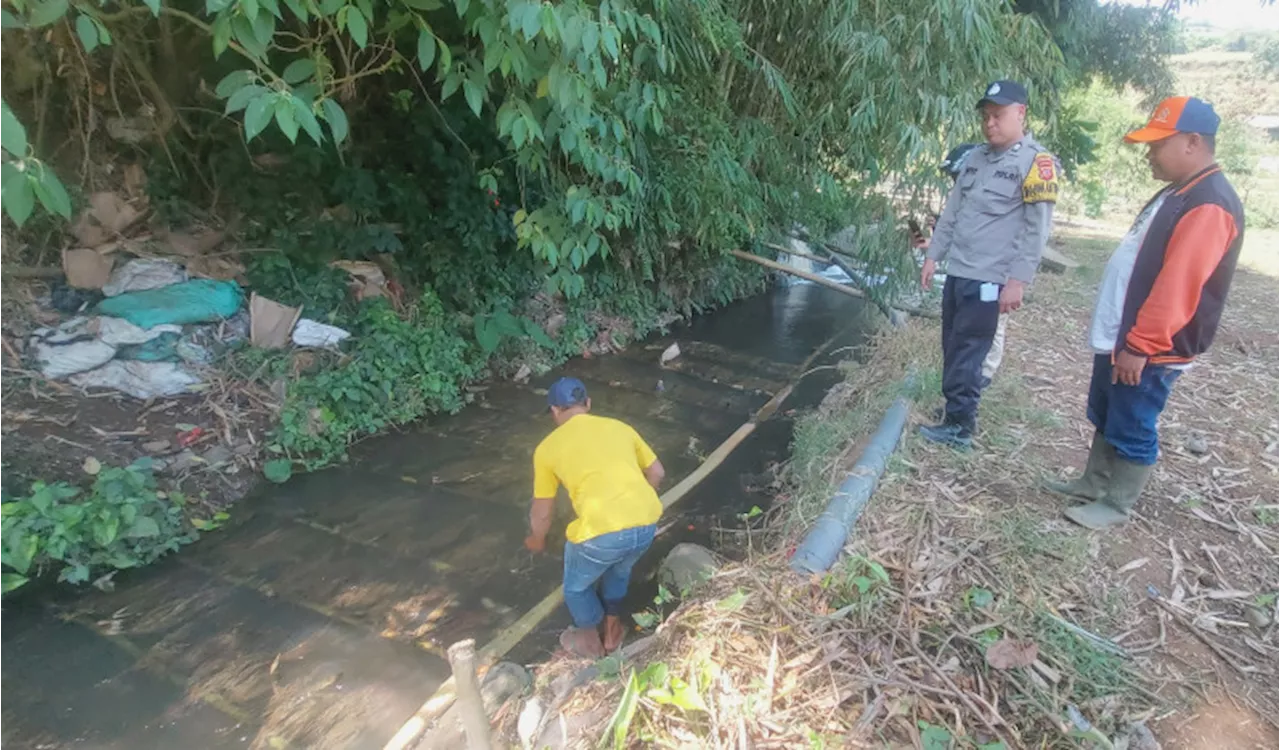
(1041, 183)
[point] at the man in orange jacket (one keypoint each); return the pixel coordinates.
(1158, 306)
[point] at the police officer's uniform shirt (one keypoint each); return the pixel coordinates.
(998, 215)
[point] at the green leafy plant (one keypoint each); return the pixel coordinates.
(492, 328)
(120, 522)
(856, 577)
(25, 179)
(401, 368)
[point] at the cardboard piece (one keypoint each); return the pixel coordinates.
(86, 269)
(271, 323)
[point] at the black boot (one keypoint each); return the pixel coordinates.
(951, 433)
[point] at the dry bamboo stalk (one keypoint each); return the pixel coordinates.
(815, 278)
(475, 722)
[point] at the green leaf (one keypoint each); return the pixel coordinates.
(934, 737)
(733, 602)
(686, 697)
(474, 95)
(88, 33)
(104, 36)
(451, 84)
(221, 35)
(153, 6)
(278, 470)
(299, 71)
(980, 598)
(264, 29)
(233, 82)
(461, 6)
(446, 59)
(249, 9)
(78, 573)
(18, 198)
(143, 527)
(336, 118)
(307, 119)
(299, 10)
(488, 336)
(426, 48)
(11, 581)
(620, 724)
(424, 4)
(53, 196)
(285, 118)
(21, 551)
(10, 21)
(13, 136)
(610, 39)
(45, 12)
(244, 97)
(357, 26)
(258, 116)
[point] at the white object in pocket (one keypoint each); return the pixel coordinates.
(989, 292)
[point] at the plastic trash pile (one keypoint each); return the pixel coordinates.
(156, 328)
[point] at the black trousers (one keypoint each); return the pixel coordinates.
(968, 328)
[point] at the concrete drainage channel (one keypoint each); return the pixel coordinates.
(461, 708)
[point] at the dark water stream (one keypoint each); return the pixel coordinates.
(318, 618)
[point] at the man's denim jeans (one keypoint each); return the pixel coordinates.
(603, 562)
(1126, 414)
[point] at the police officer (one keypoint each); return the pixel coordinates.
(992, 232)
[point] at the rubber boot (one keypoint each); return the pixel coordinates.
(1127, 481)
(1097, 472)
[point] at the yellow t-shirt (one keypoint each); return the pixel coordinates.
(601, 463)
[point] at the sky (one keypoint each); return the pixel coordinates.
(1229, 14)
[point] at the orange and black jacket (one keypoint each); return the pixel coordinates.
(1183, 270)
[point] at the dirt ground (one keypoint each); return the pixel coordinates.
(1188, 588)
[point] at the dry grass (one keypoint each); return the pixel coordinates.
(959, 552)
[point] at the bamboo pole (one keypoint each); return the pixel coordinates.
(475, 722)
(815, 278)
(435, 706)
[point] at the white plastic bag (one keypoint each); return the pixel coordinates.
(70, 348)
(142, 380)
(141, 274)
(120, 332)
(312, 333)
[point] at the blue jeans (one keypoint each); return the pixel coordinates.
(1125, 414)
(602, 562)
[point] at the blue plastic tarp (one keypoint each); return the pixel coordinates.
(198, 301)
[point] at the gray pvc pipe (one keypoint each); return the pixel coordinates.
(821, 547)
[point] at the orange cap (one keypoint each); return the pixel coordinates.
(1177, 114)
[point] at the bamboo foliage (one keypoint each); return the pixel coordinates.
(633, 124)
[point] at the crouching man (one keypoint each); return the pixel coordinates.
(612, 476)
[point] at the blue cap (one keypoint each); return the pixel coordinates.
(566, 392)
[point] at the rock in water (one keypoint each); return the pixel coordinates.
(686, 566)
